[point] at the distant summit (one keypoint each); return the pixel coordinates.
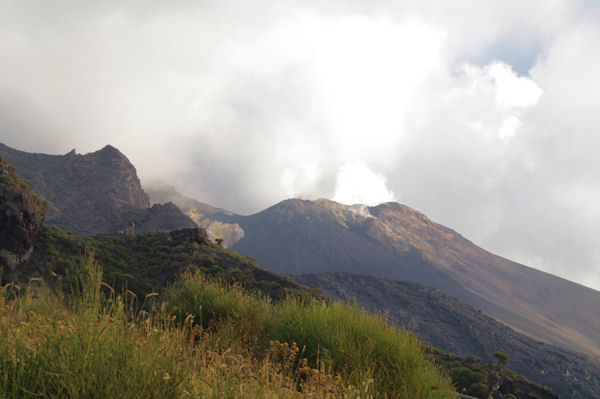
(93, 193)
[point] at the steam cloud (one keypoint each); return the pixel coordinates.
(357, 184)
(242, 105)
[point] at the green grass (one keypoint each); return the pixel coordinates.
(363, 348)
(80, 346)
(238, 317)
(359, 345)
(148, 262)
(89, 343)
(201, 338)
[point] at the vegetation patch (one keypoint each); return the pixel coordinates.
(89, 343)
(479, 379)
(362, 348)
(146, 263)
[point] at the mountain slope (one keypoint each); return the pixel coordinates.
(446, 323)
(393, 240)
(93, 193)
(219, 223)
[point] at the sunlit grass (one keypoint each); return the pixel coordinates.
(362, 347)
(90, 343)
(201, 339)
(77, 346)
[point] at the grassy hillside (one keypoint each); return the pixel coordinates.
(200, 338)
(145, 263)
(456, 327)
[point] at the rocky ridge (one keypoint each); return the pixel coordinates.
(93, 193)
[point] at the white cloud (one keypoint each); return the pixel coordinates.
(513, 90)
(509, 127)
(242, 105)
(357, 184)
(287, 182)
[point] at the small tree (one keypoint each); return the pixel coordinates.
(219, 241)
(502, 358)
(478, 390)
(472, 359)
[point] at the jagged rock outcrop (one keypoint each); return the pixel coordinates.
(21, 218)
(93, 193)
(86, 193)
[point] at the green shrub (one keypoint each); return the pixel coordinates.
(464, 377)
(360, 346)
(472, 359)
(502, 358)
(478, 390)
(10, 177)
(211, 302)
(148, 262)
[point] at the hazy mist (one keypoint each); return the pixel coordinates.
(483, 115)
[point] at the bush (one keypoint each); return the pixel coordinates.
(145, 263)
(360, 346)
(502, 358)
(478, 390)
(214, 304)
